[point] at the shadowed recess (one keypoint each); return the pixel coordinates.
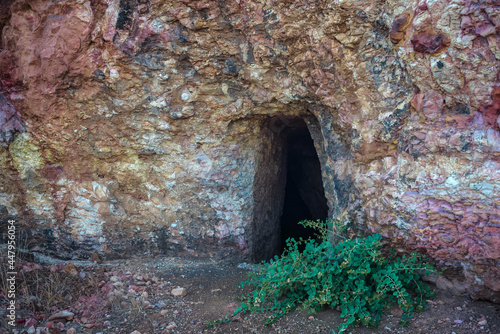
(288, 187)
(304, 193)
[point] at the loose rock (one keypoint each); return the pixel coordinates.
(66, 315)
(71, 269)
(179, 292)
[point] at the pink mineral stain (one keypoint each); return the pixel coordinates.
(492, 111)
(430, 41)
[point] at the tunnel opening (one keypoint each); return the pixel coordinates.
(304, 193)
(288, 187)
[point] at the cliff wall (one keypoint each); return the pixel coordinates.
(160, 126)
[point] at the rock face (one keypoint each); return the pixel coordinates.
(144, 125)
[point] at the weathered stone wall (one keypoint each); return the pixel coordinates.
(143, 125)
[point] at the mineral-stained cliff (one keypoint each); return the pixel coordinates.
(132, 126)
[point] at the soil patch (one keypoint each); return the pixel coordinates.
(136, 295)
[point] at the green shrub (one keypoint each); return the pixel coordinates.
(352, 274)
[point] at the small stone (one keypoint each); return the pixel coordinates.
(458, 321)
(71, 331)
(71, 269)
(31, 330)
(135, 332)
(136, 288)
(66, 315)
(482, 323)
(107, 288)
(459, 308)
(96, 258)
(440, 302)
(30, 322)
(396, 311)
(164, 312)
(161, 304)
(179, 292)
(114, 279)
(172, 325)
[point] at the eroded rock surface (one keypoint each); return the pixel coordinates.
(147, 125)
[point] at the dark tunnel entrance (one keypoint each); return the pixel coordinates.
(304, 193)
(288, 187)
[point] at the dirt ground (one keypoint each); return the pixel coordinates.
(135, 296)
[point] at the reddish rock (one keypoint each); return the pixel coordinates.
(52, 172)
(137, 288)
(432, 104)
(486, 30)
(430, 41)
(423, 7)
(491, 111)
(107, 288)
(418, 101)
(466, 23)
(398, 29)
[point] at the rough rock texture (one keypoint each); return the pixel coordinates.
(148, 125)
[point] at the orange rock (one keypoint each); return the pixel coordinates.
(398, 29)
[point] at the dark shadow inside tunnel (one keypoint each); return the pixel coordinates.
(288, 187)
(304, 194)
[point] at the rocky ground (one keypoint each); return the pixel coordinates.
(180, 295)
